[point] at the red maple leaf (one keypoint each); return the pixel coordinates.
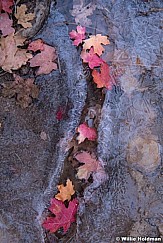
(86, 132)
(91, 58)
(60, 113)
(63, 216)
(103, 79)
(78, 36)
(6, 4)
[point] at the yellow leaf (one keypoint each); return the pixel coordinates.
(23, 18)
(65, 191)
(96, 41)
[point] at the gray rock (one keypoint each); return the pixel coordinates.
(30, 166)
(128, 202)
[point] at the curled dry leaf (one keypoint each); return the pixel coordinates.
(63, 216)
(24, 90)
(91, 58)
(12, 57)
(65, 191)
(103, 79)
(91, 164)
(24, 18)
(45, 60)
(95, 41)
(5, 24)
(78, 36)
(6, 5)
(86, 132)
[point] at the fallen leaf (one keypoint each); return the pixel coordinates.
(24, 90)
(45, 60)
(91, 58)
(103, 79)
(43, 136)
(78, 36)
(138, 61)
(5, 24)
(81, 12)
(12, 57)
(86, 132)
(24, 18)
(95, 41)
(90, 164)
(60, 113)
(19, 39)
(65, 191)
(6, 5)
(63, 216)
(37, 45)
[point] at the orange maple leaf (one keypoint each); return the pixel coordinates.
(65, 191)
(103, 79)
(96, 41)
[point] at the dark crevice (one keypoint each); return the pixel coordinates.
(95, 99)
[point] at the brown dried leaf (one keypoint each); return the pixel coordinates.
(12, 57)
(24, 90)
(24, 18)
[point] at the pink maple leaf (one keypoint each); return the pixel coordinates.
(86, 132)
(90, 164)
(5, 24)
(45, 60)
(78, 36)
(63, 216)
(91, 58)
(6, 5)
(37, 45)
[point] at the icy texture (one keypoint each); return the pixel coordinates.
(30, 166)
(128, 202)
(130, 124)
